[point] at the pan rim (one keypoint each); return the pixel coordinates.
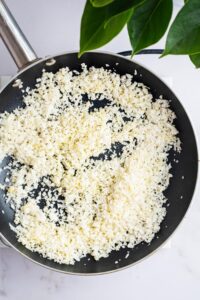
(197, 174)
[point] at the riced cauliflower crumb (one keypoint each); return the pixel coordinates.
(88, 163)
(127, 254)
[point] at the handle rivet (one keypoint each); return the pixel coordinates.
(50, 62)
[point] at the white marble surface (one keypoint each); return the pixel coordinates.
(171, 273)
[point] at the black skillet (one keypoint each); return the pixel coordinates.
(180, 191)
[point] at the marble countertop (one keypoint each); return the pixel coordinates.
(172, 272)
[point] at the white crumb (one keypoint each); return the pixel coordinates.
(127, 254)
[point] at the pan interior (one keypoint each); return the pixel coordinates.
(179, 193)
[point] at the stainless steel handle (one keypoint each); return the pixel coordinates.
(14, 39)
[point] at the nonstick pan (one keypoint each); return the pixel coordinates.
(180, 191)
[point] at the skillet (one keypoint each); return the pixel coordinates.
(179, 193)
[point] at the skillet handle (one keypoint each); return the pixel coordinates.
(14, 39)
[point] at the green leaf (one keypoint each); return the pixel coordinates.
(149, 23)
(195, 58)
(100, 3)
(102, 24)
(184, 34)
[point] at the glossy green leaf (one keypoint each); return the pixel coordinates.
(195, 58)
(102, 24)
(149, 23)
(184, 34)
(100, 3)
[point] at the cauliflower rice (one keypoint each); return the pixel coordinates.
(89, 163)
